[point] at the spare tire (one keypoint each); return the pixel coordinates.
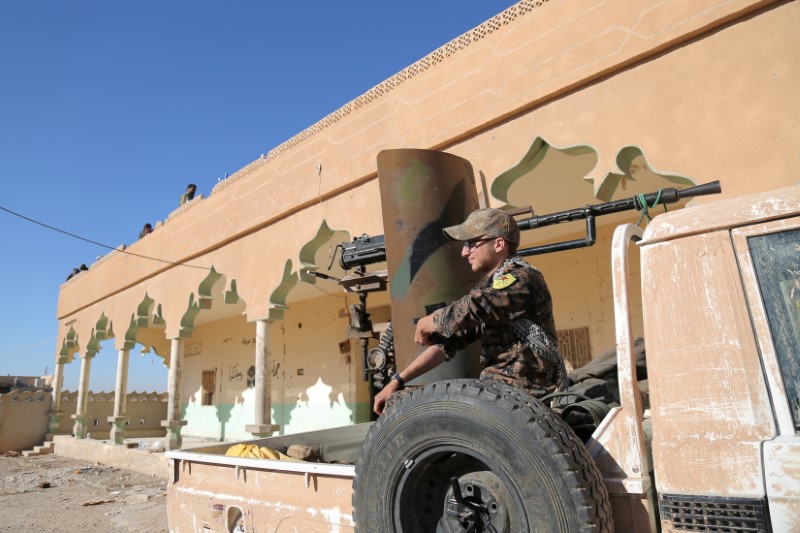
(471, 455)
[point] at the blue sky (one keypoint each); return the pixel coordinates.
(108, 110)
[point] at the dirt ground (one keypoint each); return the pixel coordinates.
(81, 497)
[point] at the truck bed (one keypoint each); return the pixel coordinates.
(209, 491)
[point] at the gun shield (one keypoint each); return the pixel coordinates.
(423, 191)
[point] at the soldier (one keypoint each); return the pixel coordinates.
(510, 311)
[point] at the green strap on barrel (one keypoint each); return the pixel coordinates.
(645, 209)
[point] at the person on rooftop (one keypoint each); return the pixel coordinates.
(146, 230)
(189, 194)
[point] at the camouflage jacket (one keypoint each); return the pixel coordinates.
(515, 293)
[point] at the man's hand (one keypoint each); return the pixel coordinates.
(380, 399)
(429, 358)
(425, 327)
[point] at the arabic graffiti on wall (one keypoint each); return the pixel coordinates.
(234, 374)
(193, 350)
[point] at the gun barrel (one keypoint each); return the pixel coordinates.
(712, 187)
(664, 196)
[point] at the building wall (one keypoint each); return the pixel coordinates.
(145, 411)
(720, 105)
(314, 384)
(580, 284)
(227, 349)
(23, 419)
(701, 90)
(24, 416)
(8, 383)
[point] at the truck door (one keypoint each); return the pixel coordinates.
(769, 260)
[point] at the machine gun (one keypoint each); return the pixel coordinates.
(366, 250)
(357, 254)
(362, 251)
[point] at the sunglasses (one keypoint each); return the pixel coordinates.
(474, 243)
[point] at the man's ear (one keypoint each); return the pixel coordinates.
(500, 244)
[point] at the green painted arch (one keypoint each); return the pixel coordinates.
(143, 311)
(158, 317)
(231, 295)
(312, 260)
(188, 318)
(309, 251)
(634, 167)
(576, 160)
(69, 345)
(213, 286)
(130, 334)
(205, 289)
(278, 297)
(102, 326)
(100, 332)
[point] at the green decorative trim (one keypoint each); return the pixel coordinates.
(231, 296)
(187, 321)
(529, 163)
(205, 290)
(143, 311)
(130, 334)
(627, 163)
(309, 251)
(279, 295)
(158, 318)
(310, 256)
(69, 345)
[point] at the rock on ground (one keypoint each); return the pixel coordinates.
(53, 493)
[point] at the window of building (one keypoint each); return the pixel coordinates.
(209, 384)
(574, 347)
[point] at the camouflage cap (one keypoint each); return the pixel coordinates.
(485, 222)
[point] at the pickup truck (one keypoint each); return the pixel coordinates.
(710, 443)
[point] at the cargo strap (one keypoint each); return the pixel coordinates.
(594, 408)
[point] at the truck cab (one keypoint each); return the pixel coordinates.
(721, 291)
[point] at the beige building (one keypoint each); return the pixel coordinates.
(556, 104)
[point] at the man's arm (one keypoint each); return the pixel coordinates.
(459, 323)
(425, 326)
(429, 359)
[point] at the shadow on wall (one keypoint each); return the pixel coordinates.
(316, 411)
(224, 411)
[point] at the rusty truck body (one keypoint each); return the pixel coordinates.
(709, 444)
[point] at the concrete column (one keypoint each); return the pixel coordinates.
(119, 419)
(262, 426)
(80, 430)
(173, 423)
(55, 411)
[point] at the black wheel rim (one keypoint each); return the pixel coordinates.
(455, 490)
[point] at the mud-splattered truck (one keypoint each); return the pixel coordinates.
(708, 443)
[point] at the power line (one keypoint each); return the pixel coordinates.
(27, 348)
(52, 228)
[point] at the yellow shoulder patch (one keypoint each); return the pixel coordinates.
(503, 282)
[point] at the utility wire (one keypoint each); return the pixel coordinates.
(27, 348)
(98, 243)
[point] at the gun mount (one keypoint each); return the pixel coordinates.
(358, 253)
